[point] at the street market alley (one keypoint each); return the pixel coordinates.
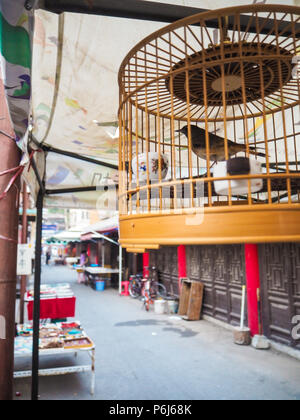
(145, 356)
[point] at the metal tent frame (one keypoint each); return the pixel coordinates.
(130, 9)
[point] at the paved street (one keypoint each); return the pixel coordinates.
(145, 356)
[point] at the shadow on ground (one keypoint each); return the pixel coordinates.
(183, 332)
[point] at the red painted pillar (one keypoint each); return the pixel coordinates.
(253, 288)
(146, 264)
(181, 264)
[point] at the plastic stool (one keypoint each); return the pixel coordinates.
(124, 288)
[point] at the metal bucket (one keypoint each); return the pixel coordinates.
(160, 306)
(172, 306)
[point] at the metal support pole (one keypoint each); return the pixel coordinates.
(120, 268)
(103, 254)
(9, 209)
(160, 12)
(24, 241)
(37, 292)
(76, 156)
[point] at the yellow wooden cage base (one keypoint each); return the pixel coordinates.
(218, 225)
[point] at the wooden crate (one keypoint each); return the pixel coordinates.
(191, 298)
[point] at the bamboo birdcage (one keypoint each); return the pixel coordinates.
(232, 72)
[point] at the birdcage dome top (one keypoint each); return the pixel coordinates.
(239, 62)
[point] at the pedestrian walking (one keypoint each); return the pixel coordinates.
(84, 261)
(48, 255)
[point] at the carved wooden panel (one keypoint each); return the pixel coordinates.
(222, 270)
(280, 284)
(165, 260)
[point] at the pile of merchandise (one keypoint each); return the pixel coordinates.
(53, 336)
(52, 292)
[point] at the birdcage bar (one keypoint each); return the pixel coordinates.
(211, 120)
(274, 176)
(147, 126)
(276, 151)
(263, 26)
(122, 173)
(127, 139)
(172, 123)
(129, 151)
(124, 139)
(158, 127)
(141, 61)
(222, 36)
(295, 145)
(262, 85)
(283, 114)
(188, 109)
(296, 49)
(207, 145)
(246, 109)
(294, 32)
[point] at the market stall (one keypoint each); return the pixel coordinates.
(56, 340)
(98, 276)
(70, 261)
(57, 302)
(110, 256)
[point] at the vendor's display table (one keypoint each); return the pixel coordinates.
(94, 274)
(71, 260)
(55, 340)
(59, 261)
(56, 302)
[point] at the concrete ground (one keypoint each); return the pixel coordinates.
(145, 356)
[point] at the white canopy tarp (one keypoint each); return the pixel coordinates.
(103, 226)
(70, 235)
(76, 60)
(75, 95)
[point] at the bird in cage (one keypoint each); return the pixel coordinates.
(216, 145)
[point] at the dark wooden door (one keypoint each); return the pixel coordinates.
(280, 286)
(166, 262)
(222, 270)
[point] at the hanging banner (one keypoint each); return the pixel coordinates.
(16, 31)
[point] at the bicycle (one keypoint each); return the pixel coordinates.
(135, 286)
(139, 287)
(152, 288)
(148, 297)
